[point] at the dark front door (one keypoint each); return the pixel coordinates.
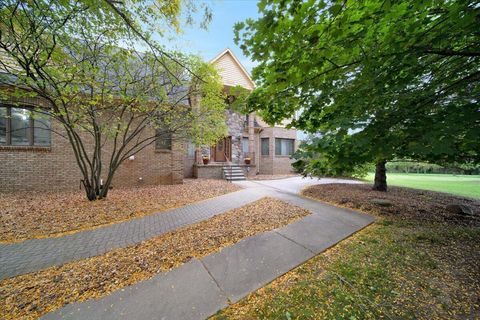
(222, 150)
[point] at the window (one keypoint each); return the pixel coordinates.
(265, 143)
(163, 140)
(190, 150)
(284, 147)
(24, 127)
(245, 145)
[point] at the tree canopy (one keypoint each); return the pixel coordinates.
(376, 80)
(81, 59)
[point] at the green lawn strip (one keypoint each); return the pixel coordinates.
(390, 270)
(464, 185)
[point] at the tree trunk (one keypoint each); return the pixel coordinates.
(380, 183)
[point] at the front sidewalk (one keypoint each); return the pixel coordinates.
(200, 288)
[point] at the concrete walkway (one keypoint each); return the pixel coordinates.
(200, 288)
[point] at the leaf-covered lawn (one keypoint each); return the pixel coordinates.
(404, 266)
(41, 214)
(31, 295)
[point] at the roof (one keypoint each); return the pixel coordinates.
(232, 71)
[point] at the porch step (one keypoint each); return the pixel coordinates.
(233, 173)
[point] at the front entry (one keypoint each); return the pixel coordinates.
(222, 151)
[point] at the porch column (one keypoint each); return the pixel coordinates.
(251, 137)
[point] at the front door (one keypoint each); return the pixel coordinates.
(222, 150)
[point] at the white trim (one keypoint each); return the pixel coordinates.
(227, 50)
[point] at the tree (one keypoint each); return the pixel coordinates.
(80, 58)
(379, 80)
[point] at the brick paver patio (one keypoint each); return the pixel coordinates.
(32, 255)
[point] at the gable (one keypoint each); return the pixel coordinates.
(231, 71)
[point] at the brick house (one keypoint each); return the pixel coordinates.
(269, 148)
(37, 160)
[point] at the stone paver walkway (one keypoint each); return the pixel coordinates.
(200, 288)
(36, 254)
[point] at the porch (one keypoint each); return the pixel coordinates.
(214, 170)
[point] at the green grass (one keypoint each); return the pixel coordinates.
(463, 185)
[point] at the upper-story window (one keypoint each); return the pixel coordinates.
(284, 147)
(22, 126)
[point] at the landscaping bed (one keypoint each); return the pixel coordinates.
(42, 214)
(418, 261)
(31, 295)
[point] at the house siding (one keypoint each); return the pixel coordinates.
(231, 74)
(274, 164)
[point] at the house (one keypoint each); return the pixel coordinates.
(268, 148)
(33, 159)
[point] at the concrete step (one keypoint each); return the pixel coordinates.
(233, 173)
(235, 178)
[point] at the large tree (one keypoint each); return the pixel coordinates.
(376, 80)
(80, 59)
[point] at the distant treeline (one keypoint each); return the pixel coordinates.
(423, 167)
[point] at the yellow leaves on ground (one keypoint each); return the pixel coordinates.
(31, 295)
(41, 214)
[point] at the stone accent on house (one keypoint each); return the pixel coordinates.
(236, 124)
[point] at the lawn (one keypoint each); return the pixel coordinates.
(463, 185)
(418, 261)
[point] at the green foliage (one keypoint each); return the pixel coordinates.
(312, 158)
(82, 60)
(239, 99)
(207, 124)
(380, 80)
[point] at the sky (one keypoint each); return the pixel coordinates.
(219, 35)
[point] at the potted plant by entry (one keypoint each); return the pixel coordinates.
(205, 159)
(247, 160)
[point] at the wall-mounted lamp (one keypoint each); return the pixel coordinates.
(131, 158)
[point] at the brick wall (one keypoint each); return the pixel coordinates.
(273, 164)
(55, 167)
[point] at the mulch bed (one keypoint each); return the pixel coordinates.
(41, 214)
(406, 203)
(31, 295)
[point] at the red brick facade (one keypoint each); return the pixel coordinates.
(55, 168)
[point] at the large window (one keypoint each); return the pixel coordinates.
(284, 147)
(265, 144)
(24, 127)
